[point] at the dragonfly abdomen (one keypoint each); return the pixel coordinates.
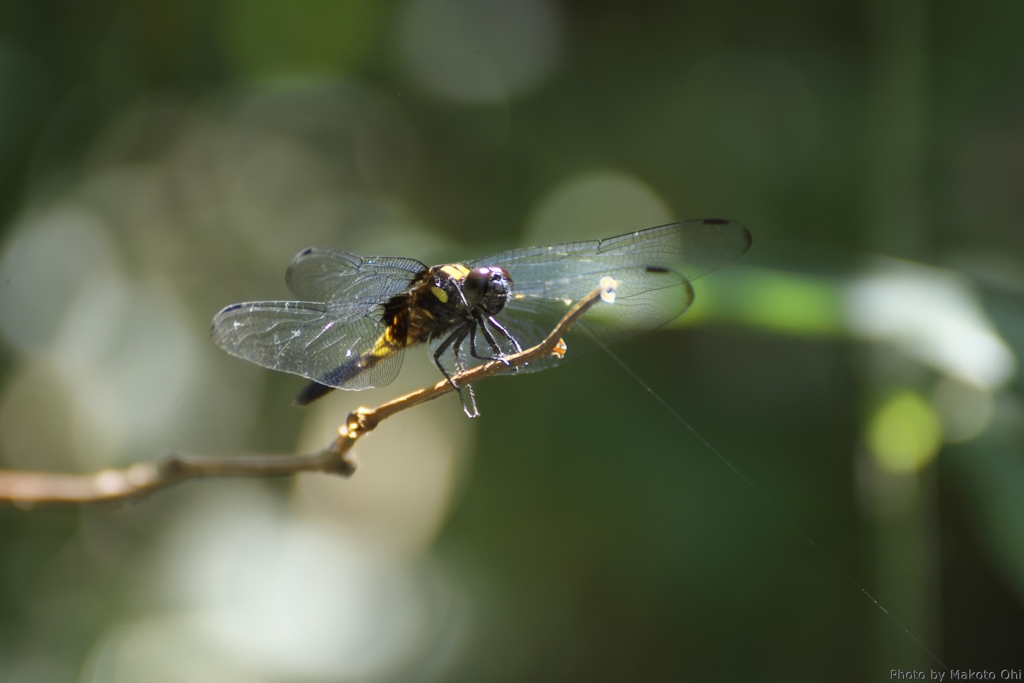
(394, 339)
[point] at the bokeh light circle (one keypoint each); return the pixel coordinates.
(479, 52)
(904, 434)
(596, 204)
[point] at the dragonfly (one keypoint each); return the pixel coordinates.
(354, 316)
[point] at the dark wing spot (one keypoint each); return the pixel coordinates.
(657, 269)
(306, 252)
(715, 221)
(232, 307)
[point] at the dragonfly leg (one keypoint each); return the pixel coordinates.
(455, 339)
(478, 323)
(472, 342)
(496, 325)
(444, 347)
(470, 409)
(494, 344)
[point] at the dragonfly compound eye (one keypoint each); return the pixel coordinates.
(475, 286)
(487, 288)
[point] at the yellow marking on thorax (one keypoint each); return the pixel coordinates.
(441, 295)
(455, 270)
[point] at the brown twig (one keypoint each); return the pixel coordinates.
(29, 489)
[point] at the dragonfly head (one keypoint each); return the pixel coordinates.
(487, 288)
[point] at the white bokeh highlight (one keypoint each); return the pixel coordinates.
(252, 588)
(54, 254)
(934, 317)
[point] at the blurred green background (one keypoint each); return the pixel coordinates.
(161, 159)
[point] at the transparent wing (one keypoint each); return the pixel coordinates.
(325, 342)
(654, 268)
(324, 274)
(693, 249)
(644, 300)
